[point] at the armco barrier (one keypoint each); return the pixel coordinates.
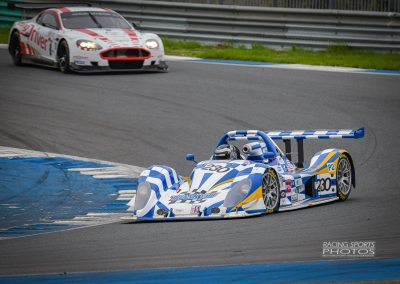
(7, 16)
(274, 27)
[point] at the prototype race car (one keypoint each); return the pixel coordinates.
(260, 179)
(84, 39)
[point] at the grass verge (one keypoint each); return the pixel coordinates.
(337, 55)
(4, 35)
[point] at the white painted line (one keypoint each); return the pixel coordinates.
(126, 191)
(284, 66)
(111, 176)
(3, 45)
(178, 58)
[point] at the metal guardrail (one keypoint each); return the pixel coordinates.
(354, 5)
(277, 28)
(274, 27)
(7, 16)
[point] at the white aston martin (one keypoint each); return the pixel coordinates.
(85, 39)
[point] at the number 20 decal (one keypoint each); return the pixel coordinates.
(324, 184)
(215, 168)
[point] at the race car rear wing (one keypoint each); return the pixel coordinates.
(300, 135)
(316, 134)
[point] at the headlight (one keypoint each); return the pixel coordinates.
(143, 193)
(88, 44)
(237, 193)
(151, 44)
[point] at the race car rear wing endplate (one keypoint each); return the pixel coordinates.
(300, 135)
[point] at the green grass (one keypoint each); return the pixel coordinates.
(336, 55)
(4, 35)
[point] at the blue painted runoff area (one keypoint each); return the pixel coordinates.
(36, 191)
(290, 272)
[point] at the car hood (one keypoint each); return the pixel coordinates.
(217, 175)
(109, 37)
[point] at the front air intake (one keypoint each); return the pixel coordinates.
(125, 54)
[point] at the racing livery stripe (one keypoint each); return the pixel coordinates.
(30, 49)
(64, 10)
(23, 48)
(131, 33)
(88, 32)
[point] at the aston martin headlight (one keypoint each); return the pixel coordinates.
(237, 193)
(143, 193)
(151, 44)
(88, 44)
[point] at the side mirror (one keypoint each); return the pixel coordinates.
(136, 26)
(190, 157)
(268, 155)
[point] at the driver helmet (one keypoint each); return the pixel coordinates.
(226, 152)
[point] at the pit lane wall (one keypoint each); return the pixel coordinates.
(278, 28)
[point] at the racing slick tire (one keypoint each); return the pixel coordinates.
(14, 48)
(271, 191)
(63, 57)
(344, 177)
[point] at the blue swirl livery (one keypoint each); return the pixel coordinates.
(247, 175)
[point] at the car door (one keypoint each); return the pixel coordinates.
(44, 40)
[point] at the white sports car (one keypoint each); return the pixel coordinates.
(84, 39)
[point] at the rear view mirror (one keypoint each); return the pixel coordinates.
(190, 157)
(136, 26)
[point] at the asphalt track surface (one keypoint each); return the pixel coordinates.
(143, 119)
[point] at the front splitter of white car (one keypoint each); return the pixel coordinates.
(161, 66)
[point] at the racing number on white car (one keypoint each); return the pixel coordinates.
(215, 168)
(324, 184)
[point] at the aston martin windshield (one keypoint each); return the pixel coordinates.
(93, 20)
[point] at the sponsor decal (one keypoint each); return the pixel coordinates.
(78, 57)
(215, 168)
(78, 62)
(25, 29)
(193, 197)
(283, 194)
(349, 249)
(290, 166)
(195, 210)
(38, 39)
(331, 167)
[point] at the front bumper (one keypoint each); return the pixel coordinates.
(161, 66)
(239, 214)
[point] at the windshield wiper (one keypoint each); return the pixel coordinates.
(95, 20)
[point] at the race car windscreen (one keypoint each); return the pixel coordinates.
(93, 20)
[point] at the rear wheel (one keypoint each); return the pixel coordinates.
(63, 57)
(15, 49)
(344, 178)
(270, 191)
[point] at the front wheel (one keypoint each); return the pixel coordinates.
(344, 178)
(270, 191)
(63, 57)
(15, 49)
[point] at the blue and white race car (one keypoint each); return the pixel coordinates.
(259, 179)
